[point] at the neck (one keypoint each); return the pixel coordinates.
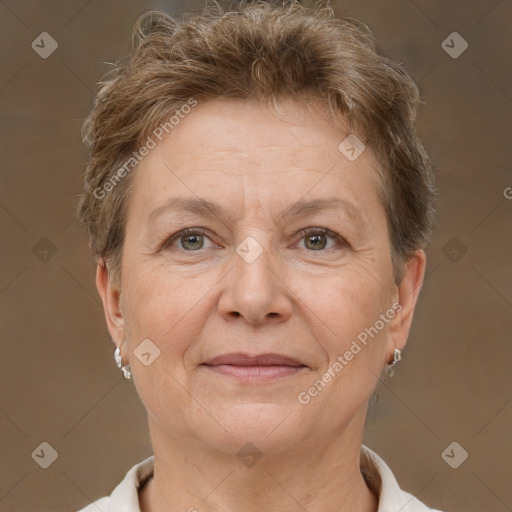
(318, 477)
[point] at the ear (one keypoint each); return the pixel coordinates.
(408, 292)
(111, 304)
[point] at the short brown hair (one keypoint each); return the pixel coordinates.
(261, 51)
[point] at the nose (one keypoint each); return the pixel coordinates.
(256, 289)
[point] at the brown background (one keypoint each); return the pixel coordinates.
(58, 379)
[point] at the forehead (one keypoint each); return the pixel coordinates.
(249, 130)
(241, 153)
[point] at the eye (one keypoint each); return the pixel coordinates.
(191, 239)
(315, 238)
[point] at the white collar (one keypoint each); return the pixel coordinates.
(376, 472)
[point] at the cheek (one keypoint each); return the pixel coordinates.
(346, 310)
(351, 298)
(352, 345)
(154, 307)
(167, 308)
(161, 311)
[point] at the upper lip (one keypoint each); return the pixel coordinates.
(240, 359)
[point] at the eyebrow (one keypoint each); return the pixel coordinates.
(301, 208)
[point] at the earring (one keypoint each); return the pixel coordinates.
(397, 356)
(127, 372)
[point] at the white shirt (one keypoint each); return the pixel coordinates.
(376, 472)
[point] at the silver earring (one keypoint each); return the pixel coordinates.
(397, 356)
(127, 372)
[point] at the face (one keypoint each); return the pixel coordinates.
(294, 261)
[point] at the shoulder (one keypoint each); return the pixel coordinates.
(103, 505)
(381, 479)
(125, 497)
(414, 505)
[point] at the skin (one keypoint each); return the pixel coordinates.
(198, 298)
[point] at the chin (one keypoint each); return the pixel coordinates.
(268, 426)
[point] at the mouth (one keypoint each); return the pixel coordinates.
(258, 368)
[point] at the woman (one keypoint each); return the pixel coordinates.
(258, 203)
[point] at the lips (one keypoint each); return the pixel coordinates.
(259, 368)
(240, 359)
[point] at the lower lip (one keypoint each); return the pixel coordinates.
(255, 373)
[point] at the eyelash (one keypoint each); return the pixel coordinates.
(341, 242)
